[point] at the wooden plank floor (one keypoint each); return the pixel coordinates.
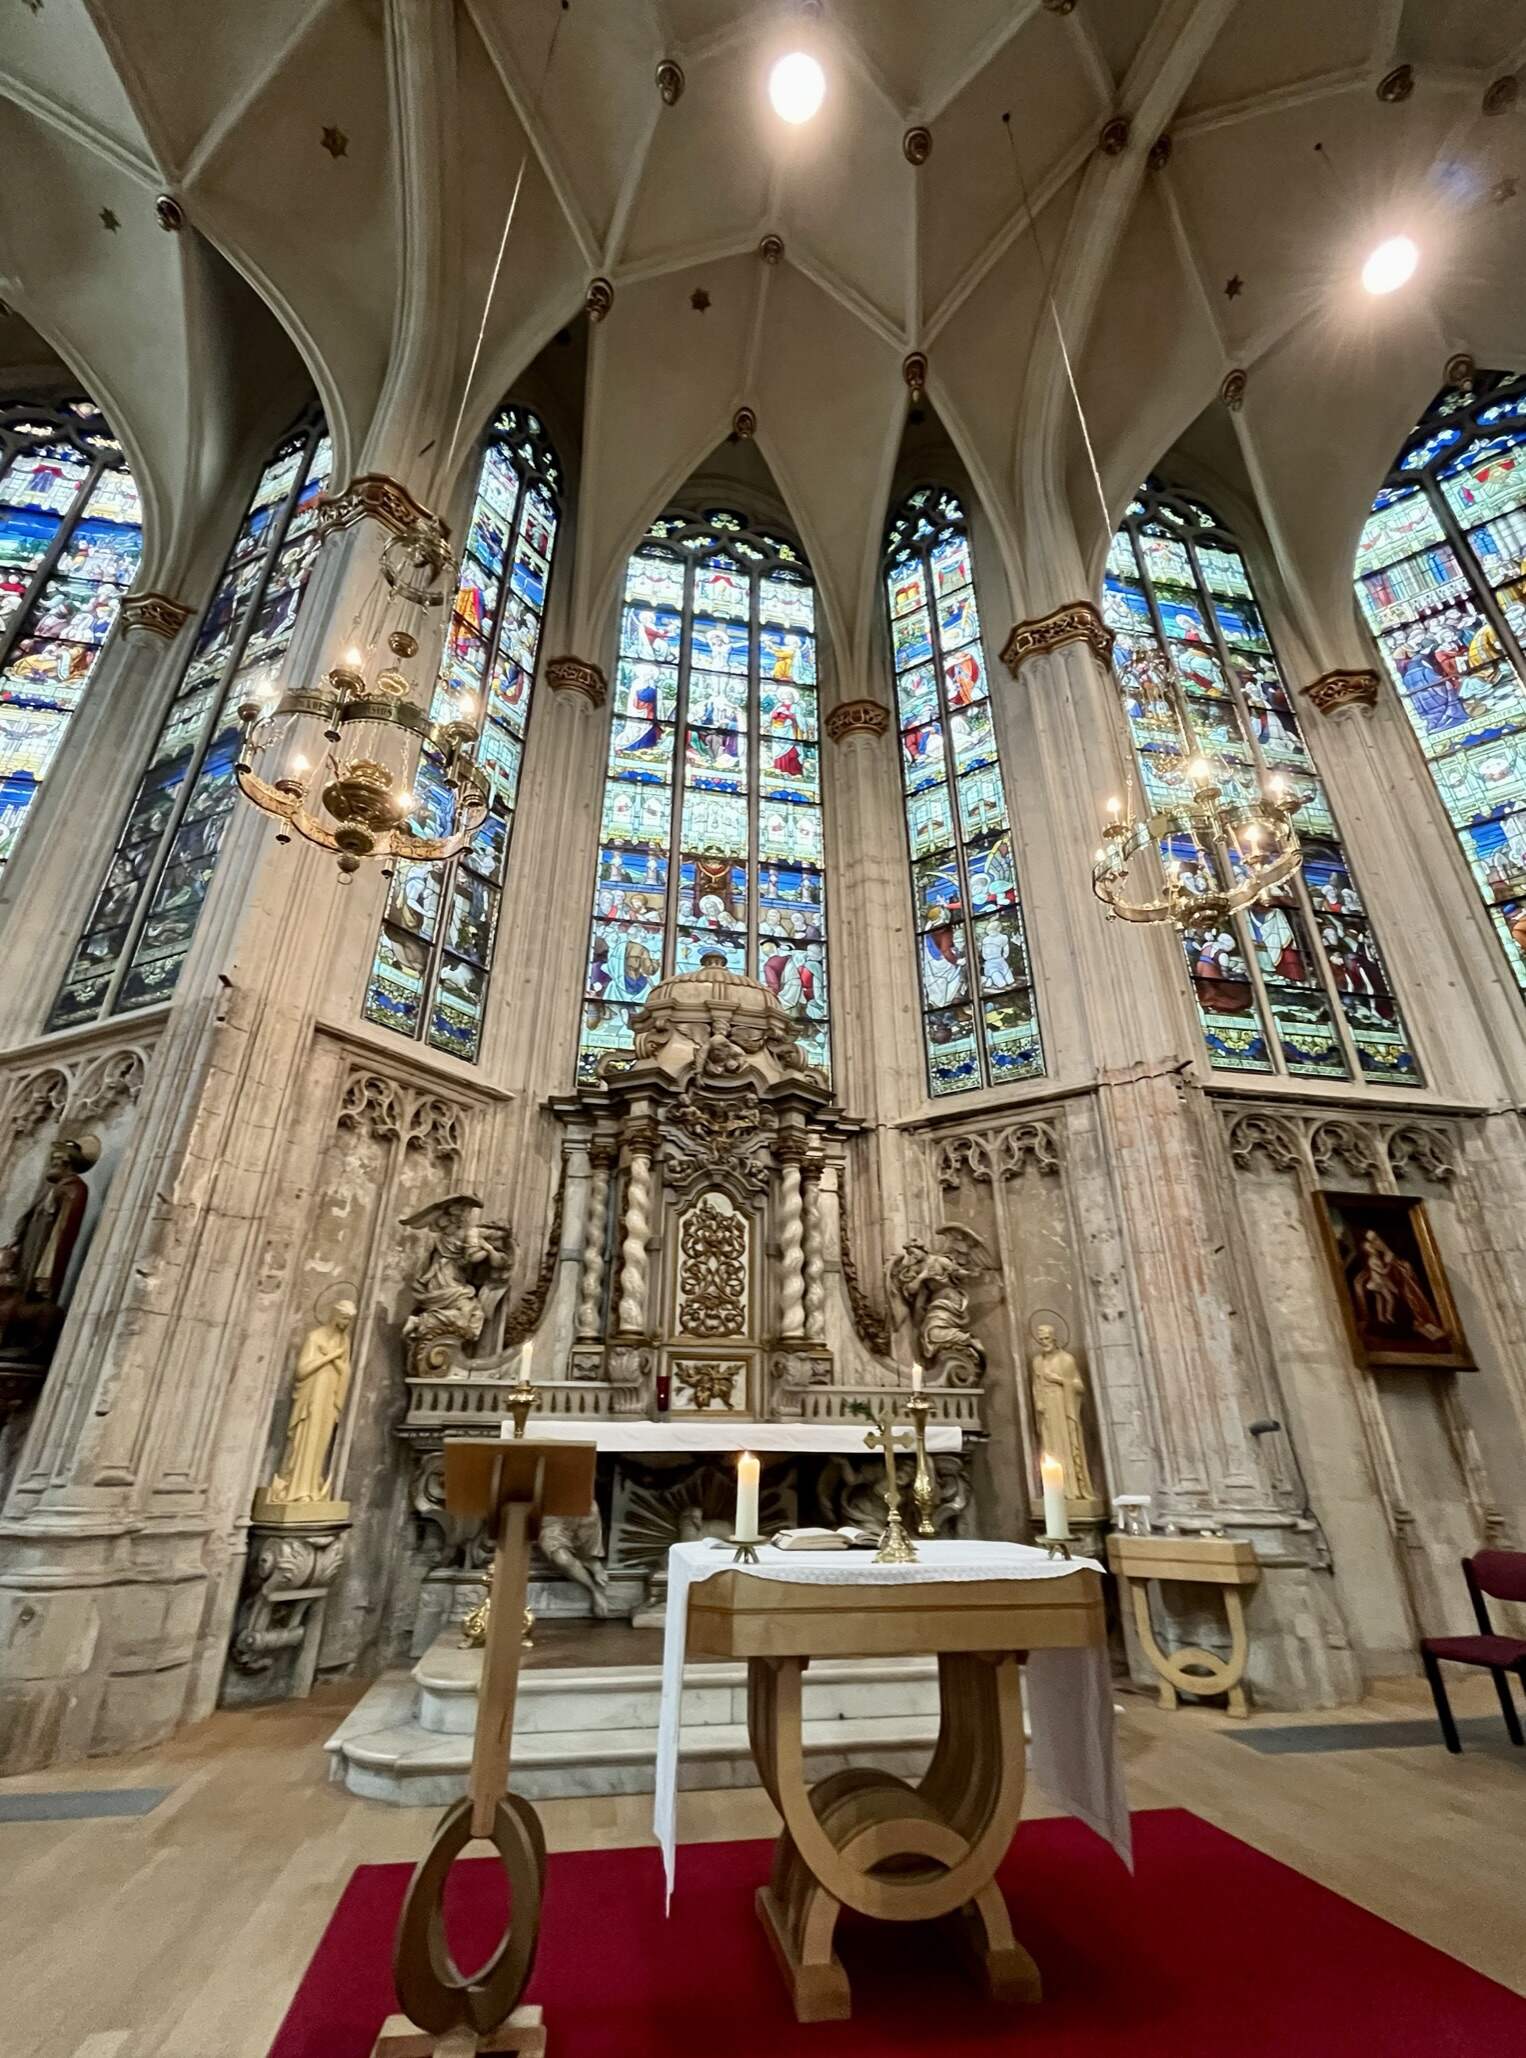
(183, 1933)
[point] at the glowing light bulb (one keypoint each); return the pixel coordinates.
(1198, 771)
(354, 657)
(1114, 808)
(466, 707)
(797, 86)
(300, 764)
(405, 802)
(1391, 264)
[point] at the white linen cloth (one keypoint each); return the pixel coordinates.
(717, 1433)
(1069, 1693)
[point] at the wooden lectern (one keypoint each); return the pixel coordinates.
(445, 2015)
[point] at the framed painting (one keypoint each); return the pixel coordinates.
(1391, 1283)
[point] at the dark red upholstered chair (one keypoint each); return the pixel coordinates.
(1503, 1575)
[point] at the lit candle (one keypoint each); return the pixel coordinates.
(746, 1530)
(527, 1352)
(916, 1378)
(1056, 1516)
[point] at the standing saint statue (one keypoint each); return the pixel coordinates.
(34, 1266)
(1059, 1398)
(931, 1284)
(318, 1388)
(461, 1282)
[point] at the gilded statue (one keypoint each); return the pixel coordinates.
(458, 1287)
(318, 1388)
(34, 1266)
(930, 1284)
(1059, 1401)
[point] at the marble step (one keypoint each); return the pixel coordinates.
(628, 1696)
(411, 1767)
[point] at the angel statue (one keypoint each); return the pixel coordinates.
(930, 1284)
(458, 1288)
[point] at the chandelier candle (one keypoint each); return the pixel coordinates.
(1056, 1514)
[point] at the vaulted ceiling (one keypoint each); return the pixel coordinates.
(344, 167)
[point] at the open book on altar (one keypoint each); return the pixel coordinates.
(848, 1538)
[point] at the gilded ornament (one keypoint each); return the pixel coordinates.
(154, 614)
(1337, 693)
(1114, 139)
(1232, 390)
(914, 372)
(1397, 85)
(857, 718)
(744, 425)
(712, 1269)
(771, 249)
(918, 145)
(1460, 371)
(670, 81)
(1160, 154)
(578, 675)
(708, 1383)
(599, 299)
(1077, 621)
(168, 212)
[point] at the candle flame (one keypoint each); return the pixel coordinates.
(354, 657)
(1051, 1471)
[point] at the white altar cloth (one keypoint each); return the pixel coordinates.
(1069, 1693)
(718, 1433)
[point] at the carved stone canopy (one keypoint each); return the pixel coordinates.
(721, 1025)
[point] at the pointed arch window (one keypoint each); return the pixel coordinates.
(1441, 577)
(146, 912)
(70, 539)
(711, 836)
(1297, 985)
(434, 955)
(979, 1023)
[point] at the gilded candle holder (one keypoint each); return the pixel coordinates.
(896, 1547)
(924, 1489)
(521, 1399)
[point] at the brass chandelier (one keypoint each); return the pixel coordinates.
(1216, 854)
(355, 764)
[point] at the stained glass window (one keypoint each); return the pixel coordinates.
(146, 912)
(70, 537)
(979, 1023)
(1297, 983)
(435, 951)
(1441, 576)
(711, 836)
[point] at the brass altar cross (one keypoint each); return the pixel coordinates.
(896, 1547)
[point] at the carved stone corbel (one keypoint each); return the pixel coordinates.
(1338, 694)
(852, 718)
(1076, 622)
(579, 676)
(154, 614)
(290, 1572)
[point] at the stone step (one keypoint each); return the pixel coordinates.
(409, 1766)
(628, 1696)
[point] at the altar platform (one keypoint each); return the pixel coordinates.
(590, 1727)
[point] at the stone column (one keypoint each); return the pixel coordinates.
(635, 1265)
(590, 1326)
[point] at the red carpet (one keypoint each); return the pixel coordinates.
(1210, 1947)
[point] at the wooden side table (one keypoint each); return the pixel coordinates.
(868, 1840)
(1222, 1561)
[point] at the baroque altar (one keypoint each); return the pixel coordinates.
(696, 1274)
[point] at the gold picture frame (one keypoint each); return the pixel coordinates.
(1391, 1283)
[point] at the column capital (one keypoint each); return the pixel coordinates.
(578, 675)
(1337, 693)
(857, 718)
(1074, 621)
(154, 614)
(374, 496)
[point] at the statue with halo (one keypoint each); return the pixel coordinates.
(930, 1284)
(1059, 1401)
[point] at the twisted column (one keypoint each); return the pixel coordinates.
(591, 1274)
(815, 1260)
(641, 1141)
(791, 1150)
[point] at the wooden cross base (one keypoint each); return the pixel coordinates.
(524, 2033)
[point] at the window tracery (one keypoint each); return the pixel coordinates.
(434, 955)
(145, 914)
(711, 837)
(979, 1022)
(1441, 577)
(1295, 985)
(70, 540)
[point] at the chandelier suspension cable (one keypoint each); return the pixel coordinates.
(563, 9)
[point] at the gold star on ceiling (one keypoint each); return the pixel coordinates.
(335, 141)
(699, 300)
(109, 220)
(1234, 286)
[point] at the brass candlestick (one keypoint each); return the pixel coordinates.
(896, 1547)
(923, 1490)
(522, 1397)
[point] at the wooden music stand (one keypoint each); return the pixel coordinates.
(511, 1485)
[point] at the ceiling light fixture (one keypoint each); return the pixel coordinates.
(797, 86)
(1391, 265)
